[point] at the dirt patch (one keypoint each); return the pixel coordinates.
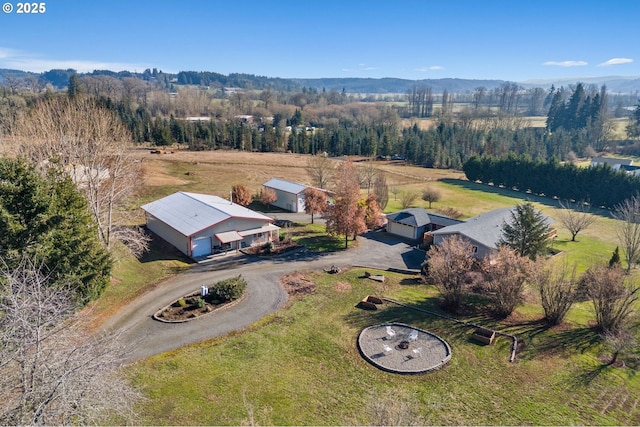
(296, 284)
(342, 287)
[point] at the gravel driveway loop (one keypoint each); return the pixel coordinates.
(146, 337)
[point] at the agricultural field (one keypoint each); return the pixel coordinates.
(301, 366)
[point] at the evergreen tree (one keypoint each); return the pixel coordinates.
(73, 89)
(556, 109)
(527, 232)
(615, 258)
(47, 218)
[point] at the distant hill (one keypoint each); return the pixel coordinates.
(393, 85)
(619, 84)
(60, 78)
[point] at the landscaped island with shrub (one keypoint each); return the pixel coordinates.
(206, 300)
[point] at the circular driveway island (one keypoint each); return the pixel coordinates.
(403, 349)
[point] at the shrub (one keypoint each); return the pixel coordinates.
(450, 212)
(229, 289)
(181, 303)
(199, 302)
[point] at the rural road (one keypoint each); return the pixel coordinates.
(146, 337)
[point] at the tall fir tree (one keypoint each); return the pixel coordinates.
(45, 217)
(527, 232)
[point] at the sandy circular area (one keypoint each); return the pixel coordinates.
(400, 348)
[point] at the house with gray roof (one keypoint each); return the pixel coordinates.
(412, 223)
(201, 224)
(484, 231)
(289, 194)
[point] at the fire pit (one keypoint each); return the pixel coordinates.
(403, 345)
(406, 350)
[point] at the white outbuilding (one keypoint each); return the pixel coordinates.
(289, 194)
(200, 224)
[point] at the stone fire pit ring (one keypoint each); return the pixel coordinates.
(403, 349)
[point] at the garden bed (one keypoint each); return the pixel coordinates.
(205, 301)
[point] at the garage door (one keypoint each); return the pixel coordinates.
(401, 230)
(201, 247)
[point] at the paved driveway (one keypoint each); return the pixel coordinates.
(264, 295)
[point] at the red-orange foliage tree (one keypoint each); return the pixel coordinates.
(373, 216)
(346, 215)
(315, 201)
(241, 195)
(268, 196)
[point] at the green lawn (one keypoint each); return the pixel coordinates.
(316, 239)
(301, 366)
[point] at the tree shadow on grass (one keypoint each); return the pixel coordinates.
(412, 281)
(559, 343)
(426, 314)
(524, 196)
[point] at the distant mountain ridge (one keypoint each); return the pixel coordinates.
(60, 78)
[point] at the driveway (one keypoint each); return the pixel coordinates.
(146, 337)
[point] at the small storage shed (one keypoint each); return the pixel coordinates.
(289, 194)
(201, 224)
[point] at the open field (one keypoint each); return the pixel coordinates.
(300, 365)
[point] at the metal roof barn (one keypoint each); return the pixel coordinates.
(193, 222)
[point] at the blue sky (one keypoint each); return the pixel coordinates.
(513, 40)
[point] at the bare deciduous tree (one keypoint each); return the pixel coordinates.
(431, 194)
(91, 145)
(321, 170)
(447, 265)
(575, 217)
(52, 372)
(395, 191)
(381, 190)
(618, 341)
(505, 275)
(367, 175)
(408, 198)
(557, 291)
(628, 229)
(612, 297)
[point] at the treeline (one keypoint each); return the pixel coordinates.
(598, 186)
(239, 80)
(447, 145)
(581, 110)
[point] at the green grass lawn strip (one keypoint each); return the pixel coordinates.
(300, 366)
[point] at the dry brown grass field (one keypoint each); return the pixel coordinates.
(215, 172)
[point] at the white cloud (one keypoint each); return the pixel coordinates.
(17, 60)
(566, 63)
(359, 68)
(7, 53)
(431, 68)
(616, 61)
